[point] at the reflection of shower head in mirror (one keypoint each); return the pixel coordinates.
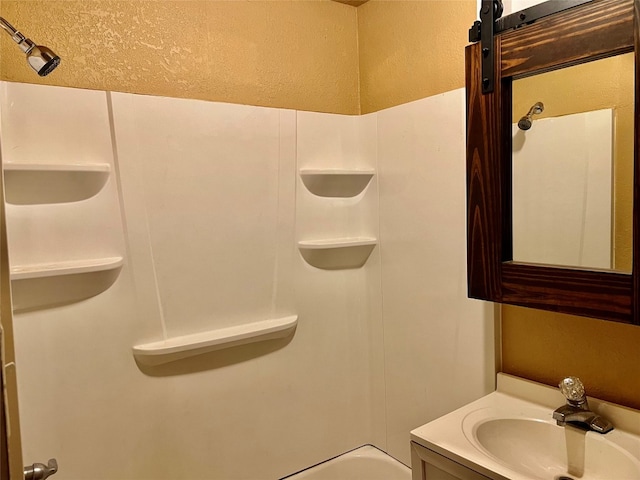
(526, 121)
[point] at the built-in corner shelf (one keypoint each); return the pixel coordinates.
(30, 184)
(57, 167)
(337, 253)
(25, 272)
(332, 243)
(177, 348)
(336, 182)
(47, 285)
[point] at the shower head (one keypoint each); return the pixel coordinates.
(40, 58)
(526, 121)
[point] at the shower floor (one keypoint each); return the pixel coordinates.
(364, 463)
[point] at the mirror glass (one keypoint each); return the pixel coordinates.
(572, 165)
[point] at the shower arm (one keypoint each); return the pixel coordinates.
(23, 42)
(42, 59)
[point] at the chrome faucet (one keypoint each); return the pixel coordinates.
(576, 411)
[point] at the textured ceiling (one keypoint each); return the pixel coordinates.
(354, 3)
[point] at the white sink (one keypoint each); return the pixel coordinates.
(504, 436)
(531, 444)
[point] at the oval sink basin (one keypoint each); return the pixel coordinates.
(538, 448)
(510, 434)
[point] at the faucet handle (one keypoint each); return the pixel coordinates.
(573, 389)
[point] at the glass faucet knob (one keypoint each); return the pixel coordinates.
(572, 388)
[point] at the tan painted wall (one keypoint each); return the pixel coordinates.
(411, 49)
(288, 54)
(546, 346)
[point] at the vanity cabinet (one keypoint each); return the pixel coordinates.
(429, 465)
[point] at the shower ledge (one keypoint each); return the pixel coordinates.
(44, 285)
(42, 183)
(337, 171)
(25, 272)
(57, 167)
(330, 243)
(177, 348)
(337, 253)
(334, 182)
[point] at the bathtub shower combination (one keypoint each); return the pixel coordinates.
(179, 231)
(154, 255)
(364, 463)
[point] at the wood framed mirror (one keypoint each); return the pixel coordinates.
(551, 43)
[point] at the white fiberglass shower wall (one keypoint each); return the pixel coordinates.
(562, 190)
(207, 207)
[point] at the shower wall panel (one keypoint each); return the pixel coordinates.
(341, 303)
(212, 205)
(439, 345)
(562, 185)
(77, 388)
(209, 192)
(207, 196)
(58, 128)
(208, 175)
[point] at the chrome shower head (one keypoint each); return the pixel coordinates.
(40, 58)
(526, 122)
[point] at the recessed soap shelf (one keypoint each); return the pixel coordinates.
(57, 167)
(47, 285)
(177, 348)
(31, 184)
(337, 253)
(336, 182)
(331, 243)
(24, 272)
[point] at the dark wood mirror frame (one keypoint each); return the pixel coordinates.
(591, 31)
